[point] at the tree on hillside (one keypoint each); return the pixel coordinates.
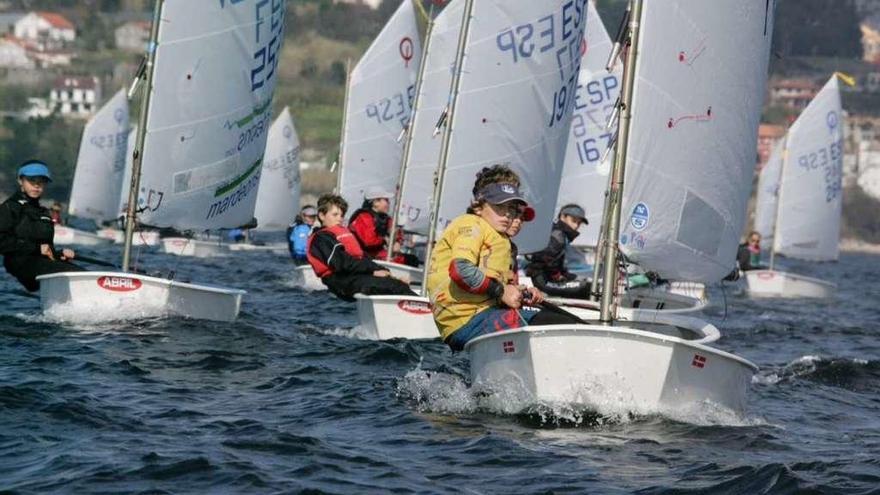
(51, 139)
(817, 28)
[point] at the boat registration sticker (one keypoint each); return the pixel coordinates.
(415, 307)
(119, 284)
(698, 361)
(508, 347)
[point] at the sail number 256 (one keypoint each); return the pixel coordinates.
(269, 18)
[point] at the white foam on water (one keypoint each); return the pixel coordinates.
(95, 322)
(357, 332)
(437, 392)
(799, 367)
(597, 402)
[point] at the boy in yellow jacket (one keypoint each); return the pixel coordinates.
(471, 285)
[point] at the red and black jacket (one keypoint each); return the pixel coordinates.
(335, 251)
(371, 230)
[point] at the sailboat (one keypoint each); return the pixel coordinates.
(505, 104)
(142, 237)
(694, 80)
(278, 197)
(378, 108)
(99, 167)
(410, 317)
(586, 170)
(208, 84)
(379, 95)
(799, 199)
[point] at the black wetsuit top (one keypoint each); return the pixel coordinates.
(24, 227)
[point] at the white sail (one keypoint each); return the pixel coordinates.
(278, 199)
(768, 191)
(518, 83)
(810, 199)
(126, 176)
(99, 166)
(700, 80)
(213, 82)
(415, 200)
(585, 175)
(380, 94)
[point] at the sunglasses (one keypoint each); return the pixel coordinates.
(509, 210)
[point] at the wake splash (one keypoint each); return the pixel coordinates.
(848, 373)
(446, 393)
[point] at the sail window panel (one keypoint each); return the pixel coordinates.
(206, 176)
(695, 226)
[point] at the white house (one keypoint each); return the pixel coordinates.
(47, 29)
(374, 4)
(8, 20)
(133, 36)
(75, 96)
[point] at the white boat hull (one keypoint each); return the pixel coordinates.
(406, 273)
(663, 299)
(675, 298)
(278, 248)
(66, 236)
(115, 235)
(396, 317)
(112, 296)
(181, 246)
(140, 238)
(772, 283)
(632, 367)
(304, 276)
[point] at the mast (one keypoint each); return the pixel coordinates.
(407, 147)
(137, 158)
(779, 201)
(615, 192)
(344, 127)
(600, 247)
(440, 175)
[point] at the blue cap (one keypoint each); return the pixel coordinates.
(34, 169)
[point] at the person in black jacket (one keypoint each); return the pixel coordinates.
(547, 267)
(340, 262)
(26, 230)
(749, 253)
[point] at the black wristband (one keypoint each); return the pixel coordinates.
(495, 290)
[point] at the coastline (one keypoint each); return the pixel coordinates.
(858, 246)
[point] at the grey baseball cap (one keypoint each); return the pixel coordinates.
(574, 211)
(309, 211)
(497, 194)
(377, 193)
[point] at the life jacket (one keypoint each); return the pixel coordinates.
(298, 237)
(344, 237)
(381, 225)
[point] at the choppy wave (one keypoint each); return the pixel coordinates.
(853, 374)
